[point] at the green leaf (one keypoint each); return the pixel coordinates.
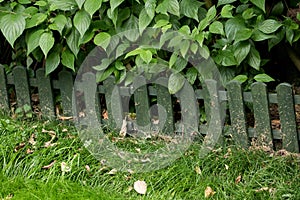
(168, 6)
(241, 51)
(80, 3)
(184, 47)
(276, 40)
(226, 11)
(102, 39)
(258, 36)
(263, 78)
(114, 4)
(113, 15)
(102, 75)
(217, 28)
(248, 13)
(173, 59)
(82, 21)
(278, 9)
(189, 8)
(52, 62)
(150, 7)
(146, 56)
(33, 40)
(12, 26)
(35, 20)
(91, 6)
(144, 20)
(68, 59)
(41, 3)
(204, 51)
(160, 23)
(59, 22)
(175, 83)
(191, 75)
(180, 64)
(194, 48)
(260, 4)
(211, 13)
(228, 58)
(243, 34)
(232, 26)
(24, 1)
(46, 42)
(73, 41)
(254, 58)
(119, 65)
(241, 78)
(289, 35)
(134, 52)
(65, 5)
(104, 64)
(269, 26)
(223, 2)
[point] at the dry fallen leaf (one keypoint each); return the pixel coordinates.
(31, 140)
(262, 189)
(105, 114)
(49, 166)
(226, 167)
(198, 170)
(140, 187)
(112, 172)
(87, 168)
(20, 146)
(238, 179)
(10, 196)
(208, 192)
(65, 167)
(29, 151)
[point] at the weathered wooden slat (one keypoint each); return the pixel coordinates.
(4, 102)
(21, 86)
(141, 103)
(45, 94)
(206, 98)
(113, 103)
(287, 117)
(262, 115)
(165, 111)
(66, 91)
(237, 113)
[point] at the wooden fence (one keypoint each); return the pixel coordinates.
(62, 85)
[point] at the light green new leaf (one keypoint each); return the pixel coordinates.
(146, 56)
(241, 51)
(241, 78)
(73, 41)
(168, 6)
(254, 58)
(46, 42)
(211, 13)
(59, 23)
(216, 28)
(35, 20)
(175, 83)
(269, 26)
(80, 3)
(65, 5)
(263, 78)
(144, 20)
(91, 6)
(260, 4)
(52, 62)
(150, 7)
(134, 52)
(114, 4)
(184, 47)
(33, 40)
(223, 2)
(82, 21)
(102, 39)
(226, 11)
(189, 8)
(12, 26)
(191, 75)
(68, 59)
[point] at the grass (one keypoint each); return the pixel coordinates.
(31, 170)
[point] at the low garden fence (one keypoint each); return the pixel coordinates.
(234, 99)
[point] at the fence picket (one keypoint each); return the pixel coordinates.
(113, 103)
(45, 94)
(237, 114)
(164, 99)
(21, 86)
(4, 102)
(66, 91)
(261, 115)
(287, 117)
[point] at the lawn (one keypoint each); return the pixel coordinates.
(47, 160)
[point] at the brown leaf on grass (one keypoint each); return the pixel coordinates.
(29, 151)
(226, 167)
(20, 146)
(53, 135)
(140, 187)
(208, 192)
(112, 172)
(105, 114)
(49, 166)
(87, 168)
(238, 179)
(31, 140)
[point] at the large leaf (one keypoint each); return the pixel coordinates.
(59, 23)
(114, 4)
(217, 28)
(263, 78)
(102, 39)
(64, 5)
(150, 7)
(68, 59)
(260, 4)
(223, 2)
(241, 51)
(46, 42)
(269, 26)
(73, 41)
(12, 26)
(254, 58)
(35, 20)
(176, 82)
(52, 62)
(232, 26)
(260, 36)
(243, 34)
(80, 3)
(91, 6)
(191, 75)
(190, 8)
(33, 40)
(144, 20)
(82, 21)
(168, 6)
